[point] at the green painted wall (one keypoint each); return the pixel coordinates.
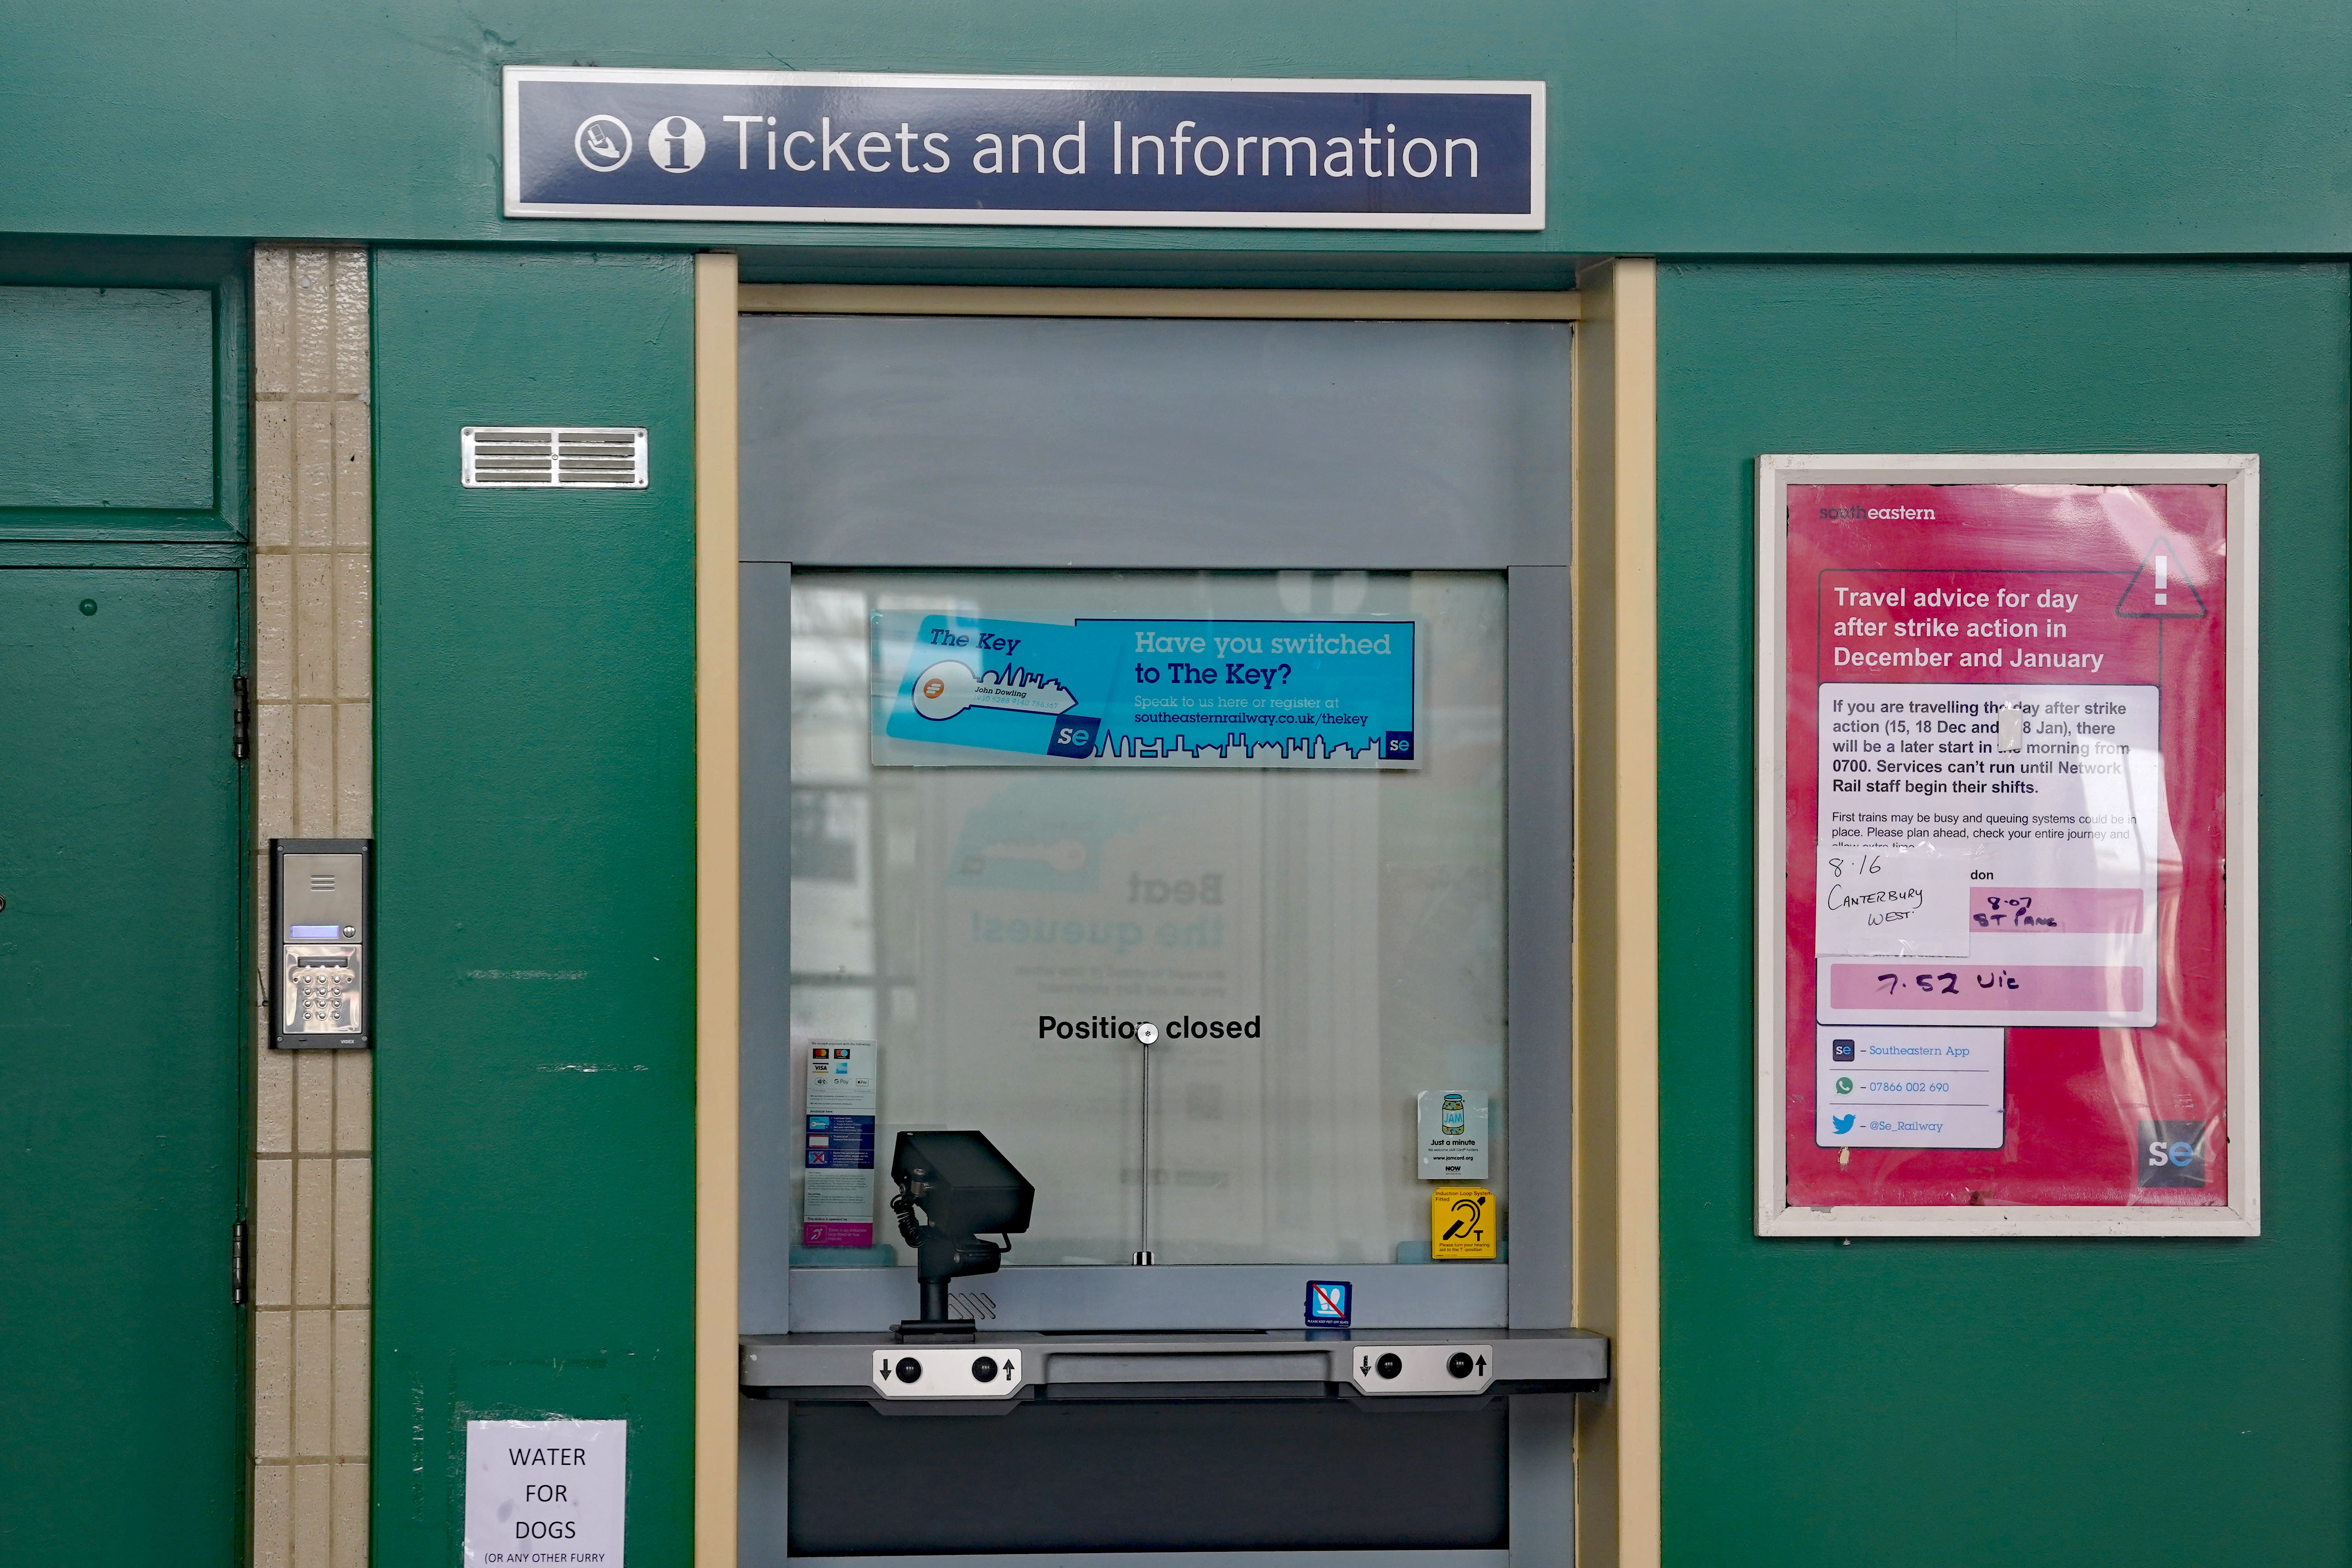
(1973, 1402)
(534, 1247)
(123, 389)
(107, 396)
(1696, 126)
(124, 1118)
(122, 1169)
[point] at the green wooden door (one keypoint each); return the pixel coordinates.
(119, 1079)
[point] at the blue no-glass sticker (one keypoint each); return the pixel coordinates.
(1248, 693)
(1327, 1303)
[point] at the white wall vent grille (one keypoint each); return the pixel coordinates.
(551, 458)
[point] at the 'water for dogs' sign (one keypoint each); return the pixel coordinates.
(546, 1491)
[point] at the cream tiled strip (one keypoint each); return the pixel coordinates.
(313, 688)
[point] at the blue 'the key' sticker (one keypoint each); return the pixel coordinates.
(1327, 1303)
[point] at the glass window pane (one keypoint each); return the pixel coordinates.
(1154, 443)
(1340, 929)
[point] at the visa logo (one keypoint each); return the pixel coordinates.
(1841, 1124)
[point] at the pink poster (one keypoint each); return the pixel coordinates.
(2005, 767)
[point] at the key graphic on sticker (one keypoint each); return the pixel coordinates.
(950, 687)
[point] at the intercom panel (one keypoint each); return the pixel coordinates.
(322, 913)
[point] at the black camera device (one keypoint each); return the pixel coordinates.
(962, 1186)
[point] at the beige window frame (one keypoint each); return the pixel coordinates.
(1614, 957)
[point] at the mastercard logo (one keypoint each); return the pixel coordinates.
(933, 686)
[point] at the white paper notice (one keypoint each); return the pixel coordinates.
(546, 1491)
(2055, 797)
(1903, 901)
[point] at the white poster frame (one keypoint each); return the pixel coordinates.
(2240, 476)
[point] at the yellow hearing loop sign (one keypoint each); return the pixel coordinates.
(1461, 1223)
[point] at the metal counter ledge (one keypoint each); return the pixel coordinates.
(1411, 1366)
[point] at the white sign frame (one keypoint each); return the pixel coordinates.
(2240, 475)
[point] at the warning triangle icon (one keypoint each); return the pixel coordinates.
(2158, 590)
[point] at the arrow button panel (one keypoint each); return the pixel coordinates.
(967, 1372)
(1422, 1369)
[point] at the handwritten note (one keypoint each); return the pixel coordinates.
(1903, 902)
(546, 1491)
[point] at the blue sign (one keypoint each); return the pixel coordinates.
(1249, 692)
(840, 1142)
(1328, 1304)
(827, 147)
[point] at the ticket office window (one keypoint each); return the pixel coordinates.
(1342, 935)
(1316, 930)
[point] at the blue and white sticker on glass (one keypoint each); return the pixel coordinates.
(971, 690)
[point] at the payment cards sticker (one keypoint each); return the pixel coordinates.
(838, 1183)
(1198, 693)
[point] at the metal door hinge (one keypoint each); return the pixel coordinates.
(241, 718)
(237, 1265)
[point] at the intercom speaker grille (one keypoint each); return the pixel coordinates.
(553, 458)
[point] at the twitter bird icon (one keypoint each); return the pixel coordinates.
(1841, 1124)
